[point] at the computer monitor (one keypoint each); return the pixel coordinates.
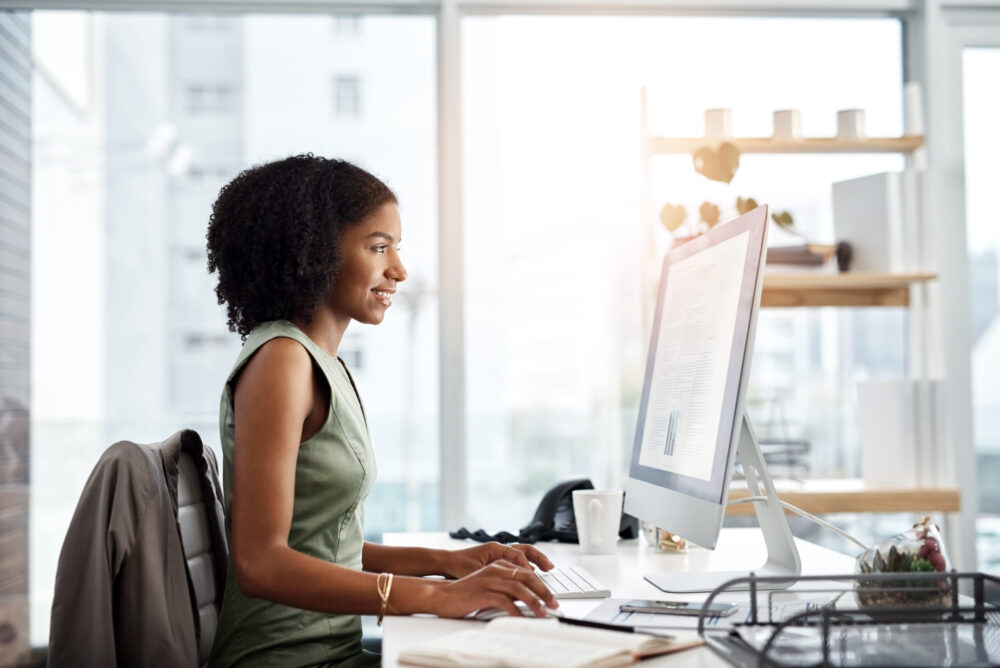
(692, 421)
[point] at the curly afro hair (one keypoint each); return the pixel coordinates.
(274, 235)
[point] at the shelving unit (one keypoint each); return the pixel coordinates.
(844, 289)
(854, 496)
(799, 288)
(818, 289)
(674, 145)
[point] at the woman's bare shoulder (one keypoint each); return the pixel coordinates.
(278, 363)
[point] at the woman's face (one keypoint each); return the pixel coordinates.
(371, 268)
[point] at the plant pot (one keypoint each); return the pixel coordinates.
(904, 599)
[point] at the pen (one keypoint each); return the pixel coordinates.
(597, 625)
(623, 628)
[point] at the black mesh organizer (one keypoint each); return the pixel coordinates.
(883, 619)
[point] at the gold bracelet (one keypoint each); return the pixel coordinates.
(383, 583)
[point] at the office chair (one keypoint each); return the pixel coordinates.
(142, 570)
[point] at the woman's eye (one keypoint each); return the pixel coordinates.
(380, 249)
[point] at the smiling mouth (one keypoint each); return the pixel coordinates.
(383, 296)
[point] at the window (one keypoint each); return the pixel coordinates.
(554, 245)
(118, 242)
(555, 288)
(346, 25)
(209, 99)
(981, 67)
(346, 96)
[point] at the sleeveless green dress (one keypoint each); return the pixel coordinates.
(334, 473)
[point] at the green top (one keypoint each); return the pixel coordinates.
(334, 471)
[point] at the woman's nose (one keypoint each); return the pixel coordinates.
(397, 271)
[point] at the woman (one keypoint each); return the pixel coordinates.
(303, 247)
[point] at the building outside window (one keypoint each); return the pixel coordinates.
(346, 96)
(347, 25)
(210, 98)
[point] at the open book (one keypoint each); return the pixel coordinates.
(519, 641)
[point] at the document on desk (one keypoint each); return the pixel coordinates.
(520, 641)
(608, 611)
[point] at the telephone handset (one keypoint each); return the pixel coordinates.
(553, 519)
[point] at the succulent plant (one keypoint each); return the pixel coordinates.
(914, 551)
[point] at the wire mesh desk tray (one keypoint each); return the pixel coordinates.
(879, 619)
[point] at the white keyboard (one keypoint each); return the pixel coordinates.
(573, 582)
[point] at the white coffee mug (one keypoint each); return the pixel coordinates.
(598, 515)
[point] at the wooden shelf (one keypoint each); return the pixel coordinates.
(665, 145)
(853, 496)
(841, 289)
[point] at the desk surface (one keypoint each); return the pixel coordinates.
(622, 572)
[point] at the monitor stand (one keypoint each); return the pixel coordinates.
(782, 555)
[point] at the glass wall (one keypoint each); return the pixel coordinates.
(138, 120)
(556, 243)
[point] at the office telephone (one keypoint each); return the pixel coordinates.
(553, 520)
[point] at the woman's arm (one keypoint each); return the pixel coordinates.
(275, 399)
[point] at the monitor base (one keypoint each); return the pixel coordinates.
(709, 581)
(782, 555)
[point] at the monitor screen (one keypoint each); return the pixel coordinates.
(691, 410)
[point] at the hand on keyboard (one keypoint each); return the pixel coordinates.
(568, 582)
(459, 563)
(497, 585)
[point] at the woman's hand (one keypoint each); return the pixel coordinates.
(497, 585)
(459, 563)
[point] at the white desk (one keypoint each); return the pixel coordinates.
(622, 572)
